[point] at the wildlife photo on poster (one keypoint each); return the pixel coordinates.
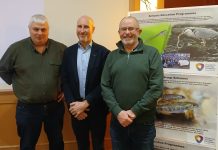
(188, 107)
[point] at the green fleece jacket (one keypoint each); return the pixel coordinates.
(133, 81)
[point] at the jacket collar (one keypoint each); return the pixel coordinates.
(139, 47)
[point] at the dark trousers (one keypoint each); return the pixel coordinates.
(94, 125)
(30, 117)
(133, 137)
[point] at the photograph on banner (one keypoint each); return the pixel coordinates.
(176, 60)
(186, 31)
(188, 108)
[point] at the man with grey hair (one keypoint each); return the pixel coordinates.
(32, 66)
(132, 81)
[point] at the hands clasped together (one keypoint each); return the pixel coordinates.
(78, 109)
(125, 118)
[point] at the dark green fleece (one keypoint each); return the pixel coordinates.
(133, 81)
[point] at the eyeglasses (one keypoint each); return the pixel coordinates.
(130, 29)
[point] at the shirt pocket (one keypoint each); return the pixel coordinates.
(54, 67)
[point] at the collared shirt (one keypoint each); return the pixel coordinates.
(83, 56)
(35, 77)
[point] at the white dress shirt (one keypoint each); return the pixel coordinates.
(83, 56)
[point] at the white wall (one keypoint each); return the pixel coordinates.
(105, 13)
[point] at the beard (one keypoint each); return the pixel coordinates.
(128, 41)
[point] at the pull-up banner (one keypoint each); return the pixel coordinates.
(187, 39)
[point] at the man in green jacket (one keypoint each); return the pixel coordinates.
(132, 81)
